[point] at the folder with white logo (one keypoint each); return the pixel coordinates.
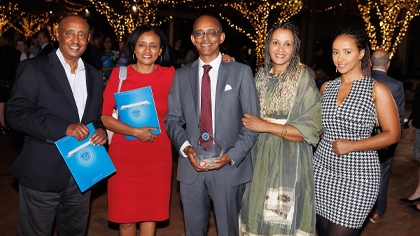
(87, 163)
(137, 108)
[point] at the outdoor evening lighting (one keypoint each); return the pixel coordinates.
(394, 18)
(258, 14)
(126, 22)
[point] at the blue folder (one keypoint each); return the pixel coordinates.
(87, 163)
(137, 108)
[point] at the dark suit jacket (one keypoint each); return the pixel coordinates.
(46, 50)
(92, 55)
(415, 110)
(42, 106)
(235, 95)
(397, 91)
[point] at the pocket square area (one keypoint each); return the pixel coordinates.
(228, 87)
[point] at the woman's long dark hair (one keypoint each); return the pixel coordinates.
(362, 43)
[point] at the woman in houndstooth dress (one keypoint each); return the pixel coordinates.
(346, 165)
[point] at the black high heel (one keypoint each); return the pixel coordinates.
(409, 201)
(414, 207)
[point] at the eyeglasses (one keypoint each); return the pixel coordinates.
(210, 33)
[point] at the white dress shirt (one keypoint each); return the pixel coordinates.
(380, 70)
(77, 83)
(214, 74)
(43, 46)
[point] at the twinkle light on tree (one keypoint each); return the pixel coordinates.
(257, 14)
(32, 23)
(393, 17)
(28, 20)
(133, 13)
(5, 16)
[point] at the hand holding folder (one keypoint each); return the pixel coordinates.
(88, 162)
(137, 109)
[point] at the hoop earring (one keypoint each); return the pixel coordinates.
(134, 57)
(159, 59)
(336, 70)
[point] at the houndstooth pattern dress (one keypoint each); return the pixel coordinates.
(346, 186)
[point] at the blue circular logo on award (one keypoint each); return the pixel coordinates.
(85, 155)
(136, 113)
(205, 136)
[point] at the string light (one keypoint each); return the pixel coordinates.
(257, 14)
(6, 12)
(134, 13)
(29, 23)
(388, 13)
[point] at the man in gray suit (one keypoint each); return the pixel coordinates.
(209, 98)
(380, 64)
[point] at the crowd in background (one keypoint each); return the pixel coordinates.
(280, 112)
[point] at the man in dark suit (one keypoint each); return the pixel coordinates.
(92, 54)
(210, 98)
(44, 42)
(54, 96)
(380, 64)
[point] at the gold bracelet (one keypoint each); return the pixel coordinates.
(284, 131)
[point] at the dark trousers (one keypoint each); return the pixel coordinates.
(385, 159)
(37, 210)
(196, 200)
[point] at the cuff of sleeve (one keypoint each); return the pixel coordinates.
(184, 145)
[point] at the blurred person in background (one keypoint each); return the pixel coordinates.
(9, 60)
(177, 54)
(122, 60)
(109, 58)
(191, 55)
(33, 44)
(320, 77)
(414, 125)
(44, 42)
(380, 64)
(92, 54)
(23, 48)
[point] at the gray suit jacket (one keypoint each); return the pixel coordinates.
(184, 111)
(397, 91)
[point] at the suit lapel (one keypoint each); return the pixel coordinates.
(89, 85)
(220, 88)
(61, 77)
(193, 74)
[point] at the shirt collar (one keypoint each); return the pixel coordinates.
(80, 64)
(214, 64)
(43, 46)
(380, 70)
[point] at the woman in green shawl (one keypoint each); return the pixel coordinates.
(280, 198)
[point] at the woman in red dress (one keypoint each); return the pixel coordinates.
(140, 189)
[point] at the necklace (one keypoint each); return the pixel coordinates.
(282, 93)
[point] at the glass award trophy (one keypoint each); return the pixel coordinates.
(206, 158)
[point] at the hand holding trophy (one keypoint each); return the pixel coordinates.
(206, 156)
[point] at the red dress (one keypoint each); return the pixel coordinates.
(140, 189)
